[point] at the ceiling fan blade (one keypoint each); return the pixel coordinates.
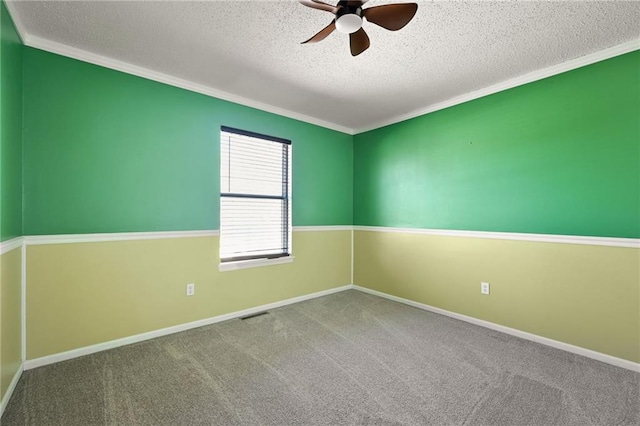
(391, 16)
(322, 34)
(359, 42)
(316, 4)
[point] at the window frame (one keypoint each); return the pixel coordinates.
(240, 262)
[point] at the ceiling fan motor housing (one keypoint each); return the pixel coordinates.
(348, 18)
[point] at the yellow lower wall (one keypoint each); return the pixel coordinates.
(82, 294)
(584, 295)
(10, 316)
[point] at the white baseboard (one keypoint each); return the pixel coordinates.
(75, 353)
(618, 362)
(87, 350)
(10, 389)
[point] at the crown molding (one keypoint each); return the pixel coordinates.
(104, 61)
(114, 64)
(22, 33)
(582, 61)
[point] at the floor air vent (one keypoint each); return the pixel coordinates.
(254, 315)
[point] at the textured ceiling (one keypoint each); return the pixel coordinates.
(252, 48)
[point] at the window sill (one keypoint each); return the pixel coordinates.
(253, 263)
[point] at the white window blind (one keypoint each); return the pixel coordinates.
(255, 196)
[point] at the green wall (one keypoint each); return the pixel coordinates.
(10, 197)
(10, 128)
(105, 151)
(110, 152)
(557, 156)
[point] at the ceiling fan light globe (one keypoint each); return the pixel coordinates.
(349, 23)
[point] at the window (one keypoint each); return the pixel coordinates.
(255, 196)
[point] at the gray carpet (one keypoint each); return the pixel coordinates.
(348, 358)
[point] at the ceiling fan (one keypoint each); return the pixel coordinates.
(348, 20)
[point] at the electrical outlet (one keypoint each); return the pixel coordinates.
(191, 289)
(484, 288)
